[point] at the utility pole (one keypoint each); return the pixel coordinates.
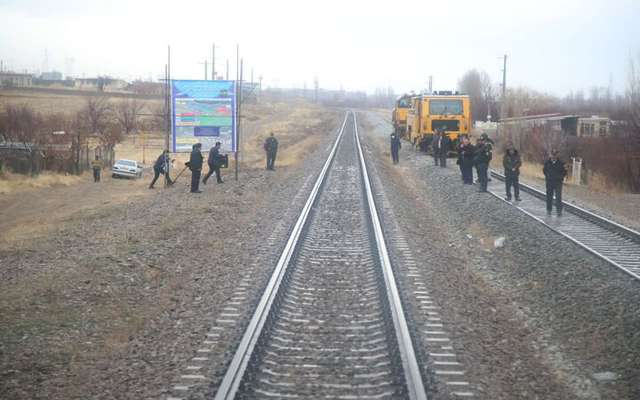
(430, 84)
(206, 70)
(504, 87)
(238, 103)
(213, 62)
(316, 86)
(227, 78)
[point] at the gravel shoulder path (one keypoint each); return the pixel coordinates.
(115, 300)
(538, 318)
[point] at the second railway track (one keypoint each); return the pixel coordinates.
(616, 244)
(330, 323)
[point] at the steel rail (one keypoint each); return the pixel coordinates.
(629, 233)
(410, 365)
(232, 378)
(584, 214)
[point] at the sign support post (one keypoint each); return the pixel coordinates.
(238, 107)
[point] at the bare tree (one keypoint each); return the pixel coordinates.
(522, 101)
(477, 84)
(126, 113)
(97, 110)
(632, 147)
(160, 116)
(25, 126)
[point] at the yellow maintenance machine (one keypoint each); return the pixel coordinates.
(448, 111)
(399, 115)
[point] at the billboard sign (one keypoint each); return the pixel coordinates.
(203, 112)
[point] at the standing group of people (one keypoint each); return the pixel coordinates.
(196, 162)
(480, 155)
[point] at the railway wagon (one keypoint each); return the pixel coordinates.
(449, 111)
(399, 115)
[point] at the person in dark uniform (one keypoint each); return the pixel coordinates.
(511, 163)
(481, 158)
(443, 148)
(195, 165)
(424, 144)
(465, 160)
(215, 162)
(161, 166)
(554, 173)
(96, 166)
(395, 148)
(271, 148)
(434, 147)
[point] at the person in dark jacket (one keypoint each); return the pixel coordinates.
(554, 173)
(395, 148)
(481, 158)
(271, 148)
(215, 163)
(511, 163)
(465, 160)
(443, 145)
(434, 147)
(195, 165)
(161, 166)
(425, 143)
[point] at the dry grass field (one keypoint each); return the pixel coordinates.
(292, 122)
(33, 205)
(50, 103)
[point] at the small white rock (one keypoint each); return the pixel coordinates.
(499, 242)
(605, 376)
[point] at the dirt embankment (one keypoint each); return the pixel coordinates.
(106, 288)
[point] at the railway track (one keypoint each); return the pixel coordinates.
(330, 323)
(614, 243)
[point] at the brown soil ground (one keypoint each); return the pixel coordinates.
(106, 288)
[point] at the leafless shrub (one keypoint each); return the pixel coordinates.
(482, 94)
(97, 111)
(127, 114)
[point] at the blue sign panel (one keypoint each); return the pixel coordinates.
(203, 112)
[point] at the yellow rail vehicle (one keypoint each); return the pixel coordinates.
(441, 110)
(399, 115)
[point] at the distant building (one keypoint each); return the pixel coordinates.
(147, 88)
(101, 84)
(572, 125)
(593, 126)
(10, 79)
(51, 76)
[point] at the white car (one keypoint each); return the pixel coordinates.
(126, 169)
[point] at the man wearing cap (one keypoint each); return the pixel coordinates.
(481, 159)
(271, 148)
(395, 148)
(195, 165)
(511, 163)
(443, 147)
(554, 173)
(215, 163)
(465, 160)
(434, 146)
(161, 166)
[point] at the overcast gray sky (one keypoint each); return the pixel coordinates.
(553, 46)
